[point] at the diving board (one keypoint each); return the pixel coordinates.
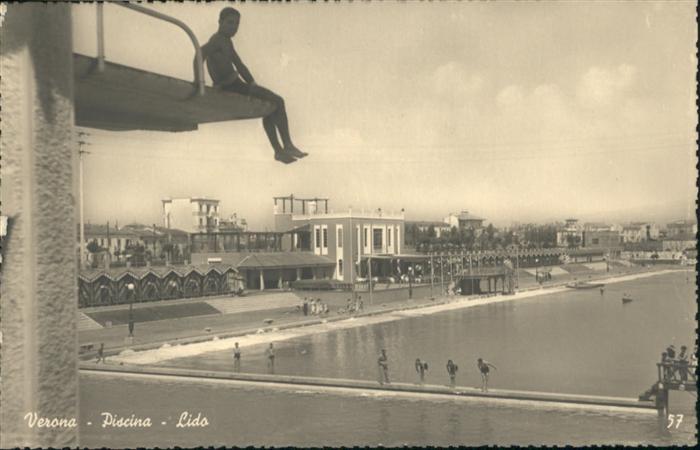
(122, 98)
(363, 387)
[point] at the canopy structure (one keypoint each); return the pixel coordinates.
(121, 98)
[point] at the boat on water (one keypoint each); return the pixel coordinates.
(626, 300)
(584, 285)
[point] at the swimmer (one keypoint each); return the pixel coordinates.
(270, 354)
(383, 364)
(236, 358)
(421, 368)
(452, 372)
(484, 368)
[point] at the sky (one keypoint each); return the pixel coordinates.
(516, 112)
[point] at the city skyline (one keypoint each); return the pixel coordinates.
(537, 113)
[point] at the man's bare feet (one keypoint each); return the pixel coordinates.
(284, 157)
(295, 152)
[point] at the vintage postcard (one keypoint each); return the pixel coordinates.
(349, 224)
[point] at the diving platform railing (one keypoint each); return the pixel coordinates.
(115, 97)
(199, 61)
(677, 376)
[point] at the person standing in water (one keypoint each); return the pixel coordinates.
(452, 372)
(236, 358)
(484, 368)
(383, 366)
(270, 355)
(421, 368)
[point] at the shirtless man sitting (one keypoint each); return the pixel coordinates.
(230, 74)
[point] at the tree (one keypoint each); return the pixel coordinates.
(167, 250)
(93, 246)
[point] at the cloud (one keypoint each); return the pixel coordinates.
(285, 60)
(510, 96)
(453, 79)
(602, 87)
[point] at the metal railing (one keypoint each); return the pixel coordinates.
(676, 371)
(198, 62)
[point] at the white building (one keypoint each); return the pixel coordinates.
(464, 220)
(640, 232)
(194, 215)
(571, 234)
(348, 238)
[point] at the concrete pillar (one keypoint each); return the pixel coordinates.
(38, 282)
(262, 280)
(298, 273)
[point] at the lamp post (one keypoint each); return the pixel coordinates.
(517, 266)
(130, 288)
(442, 275)
(369, 274)
(432, 275)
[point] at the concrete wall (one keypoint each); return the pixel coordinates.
(38, 282)
(601, 239)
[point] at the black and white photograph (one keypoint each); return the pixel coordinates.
(348, 223)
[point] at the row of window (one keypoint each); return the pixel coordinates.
(321, 237)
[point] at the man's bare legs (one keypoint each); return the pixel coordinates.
(271, 131)
(277, 119)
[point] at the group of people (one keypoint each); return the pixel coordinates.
(353, 307)
(421, 367)
(677, 366)
(314, 306)
(269, 357)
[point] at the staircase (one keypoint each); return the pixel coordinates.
(262, 302)
(86, 323)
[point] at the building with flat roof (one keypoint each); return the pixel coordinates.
(682, 228)
(464, 220)
(193, 215)
(640, 232)
(349, 238)
(604, 239)
(571, 235)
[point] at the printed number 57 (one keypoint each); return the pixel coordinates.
(674, 419)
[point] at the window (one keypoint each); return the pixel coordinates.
(339, 243)
(377, 239)
(325, 238)
(364, 239)
(318, 237)
(340, 267)
(596, 241)
(388, 237)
